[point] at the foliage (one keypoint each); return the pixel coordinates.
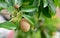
(36, 12)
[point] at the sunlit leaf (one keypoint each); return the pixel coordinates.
(45, 3)
(52, 7)
(19, 2)
(10, 9)
(28, 9)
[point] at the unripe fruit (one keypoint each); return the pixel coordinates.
(25, 25)
(16, 6)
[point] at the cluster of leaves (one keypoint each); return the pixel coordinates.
(57, 3)
(34, 11)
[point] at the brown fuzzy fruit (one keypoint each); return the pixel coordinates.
(25, 25)
(5, 13)
(16, 6)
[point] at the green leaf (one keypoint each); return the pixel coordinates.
(9, 2)
(36, 34)
(50, 24)
(36, 3)
(52, 7)
(42, 34)
(46, 12)
(2, 0)
(28, 9)
(29, 18)
(8, 25)
(19, 2)
(13, 2)
(10, 9)
(3, 5)
(28, 2)
(57, 2)
(47, 35)
(45, 3)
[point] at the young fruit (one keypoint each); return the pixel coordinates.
(16, 6)
(25, 25)
(5, 14)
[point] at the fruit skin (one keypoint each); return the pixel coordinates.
(25, 25)
(6, 14)
(16, 6)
